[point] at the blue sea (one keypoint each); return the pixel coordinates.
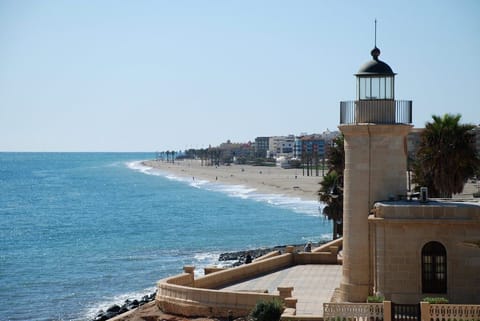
(82, 231)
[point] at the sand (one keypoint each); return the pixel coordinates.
(265, 180)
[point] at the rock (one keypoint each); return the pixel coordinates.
(100, 316)
(114, 308)
(111, 314)
(132, 305)
(128, 305)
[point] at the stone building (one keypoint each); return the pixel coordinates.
(402, 249)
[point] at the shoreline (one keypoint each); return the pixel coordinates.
(263, 179)
(288, 183)
(137, 309)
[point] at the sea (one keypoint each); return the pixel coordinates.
(80, 232)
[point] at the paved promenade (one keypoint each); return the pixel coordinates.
(313, 285)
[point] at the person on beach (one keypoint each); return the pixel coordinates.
(308, 247)
(248, 259)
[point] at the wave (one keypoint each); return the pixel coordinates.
(295, 204)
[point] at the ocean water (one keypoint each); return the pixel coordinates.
(82, 231)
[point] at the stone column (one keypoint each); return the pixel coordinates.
(375, 169)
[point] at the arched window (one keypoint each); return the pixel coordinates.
(434, 268)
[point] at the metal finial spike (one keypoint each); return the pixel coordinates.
(375, 32)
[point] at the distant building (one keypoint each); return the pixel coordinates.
(476, 130)
(281, 146)
(413, 142)
(232, 151)
(261, 146)
(415, 135)
(309, 144)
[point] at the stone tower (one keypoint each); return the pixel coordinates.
(375, 127)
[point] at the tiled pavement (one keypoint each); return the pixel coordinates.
(312, 285)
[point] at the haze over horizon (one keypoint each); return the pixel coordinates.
(164, 75)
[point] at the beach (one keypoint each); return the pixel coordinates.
(265, 180)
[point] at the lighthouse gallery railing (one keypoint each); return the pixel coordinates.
(376, 111)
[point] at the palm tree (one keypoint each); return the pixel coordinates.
(446, 157)
(332, 195)
(336, 155)
(331, 190)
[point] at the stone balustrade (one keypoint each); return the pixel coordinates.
(353, 311)
(383, 311)
(446, 312)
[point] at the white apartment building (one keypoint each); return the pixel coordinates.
(281, 146)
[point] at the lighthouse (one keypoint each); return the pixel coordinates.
(375, 126)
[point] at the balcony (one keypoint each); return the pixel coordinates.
(376, 111)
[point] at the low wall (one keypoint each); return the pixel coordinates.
(184, 295)
(303, 258)
(326, 247)
(194, 302)
(185, 279)
(243, 272)
(267, 256)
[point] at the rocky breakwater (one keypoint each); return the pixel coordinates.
(238, 258)
(128, 305)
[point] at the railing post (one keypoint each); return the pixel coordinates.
(285, 292)
(291, 303)
(387, 310)
(425, 311)
(190, 269)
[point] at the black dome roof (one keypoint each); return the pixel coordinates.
(375, 66)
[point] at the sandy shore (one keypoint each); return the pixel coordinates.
(265, 180)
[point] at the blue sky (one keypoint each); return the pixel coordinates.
(157, 75)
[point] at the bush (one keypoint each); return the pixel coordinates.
(375, 299)
(435, 300)
(267, 310)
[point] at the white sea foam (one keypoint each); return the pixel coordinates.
(205, 259)
(295, 204)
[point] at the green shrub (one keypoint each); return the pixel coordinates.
(433, 300)
(375, 299)
(267, 310)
